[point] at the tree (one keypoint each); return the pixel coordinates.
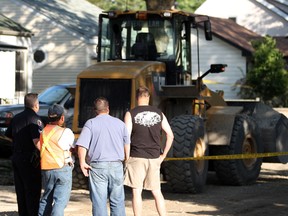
(120, 4)
(188, 5)
(267, 78)
(159, 5)
(185, 5)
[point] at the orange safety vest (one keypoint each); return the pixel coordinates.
(52, 155)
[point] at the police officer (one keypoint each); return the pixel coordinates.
(24, 131)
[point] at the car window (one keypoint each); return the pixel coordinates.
(52, 95)
(69, 103)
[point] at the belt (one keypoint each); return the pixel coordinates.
(107, 161)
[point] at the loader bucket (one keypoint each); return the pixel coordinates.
(274, 132)
(281, 138)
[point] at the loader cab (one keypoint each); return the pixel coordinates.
(133, 37)
(163, 36)
(151, 48)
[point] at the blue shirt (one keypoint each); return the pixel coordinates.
(104, 137)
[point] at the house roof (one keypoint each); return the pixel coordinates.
(80, 16)
(9, 27)
(234, 34)
(282, 44)
(240, 37)
(279, 7)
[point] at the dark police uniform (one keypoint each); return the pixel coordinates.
(25, 127)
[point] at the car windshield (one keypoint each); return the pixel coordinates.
(52, 95)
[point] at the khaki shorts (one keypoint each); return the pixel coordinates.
(142, 173)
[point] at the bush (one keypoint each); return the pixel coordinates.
(267, 79)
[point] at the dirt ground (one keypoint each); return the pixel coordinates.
(267, 197)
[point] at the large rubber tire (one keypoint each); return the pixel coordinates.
(244, 139)
(79, 181)
(281, 138)
(187, 176)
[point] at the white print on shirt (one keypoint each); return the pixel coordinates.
(147, 118)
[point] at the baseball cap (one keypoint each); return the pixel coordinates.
(55, 112)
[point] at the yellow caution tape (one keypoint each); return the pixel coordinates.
(228, 157)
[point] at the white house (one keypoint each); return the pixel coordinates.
(258, 17)
(15, 60)
(265, 17)
(231, 45)
(64, 37)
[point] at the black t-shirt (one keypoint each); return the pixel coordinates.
(146, 132)
(24, 127)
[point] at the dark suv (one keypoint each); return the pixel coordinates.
(62, 94)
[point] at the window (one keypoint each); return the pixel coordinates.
(20, 82)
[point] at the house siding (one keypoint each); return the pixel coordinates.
(248, 13)
(66, 51)
(253, 15)
(62, 69)
(66, 57)
(19, 44)
(219, 52)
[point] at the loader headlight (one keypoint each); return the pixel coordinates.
(167, 14)
(111, 14)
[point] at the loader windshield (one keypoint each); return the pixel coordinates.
(131, 39)
(149, 36)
